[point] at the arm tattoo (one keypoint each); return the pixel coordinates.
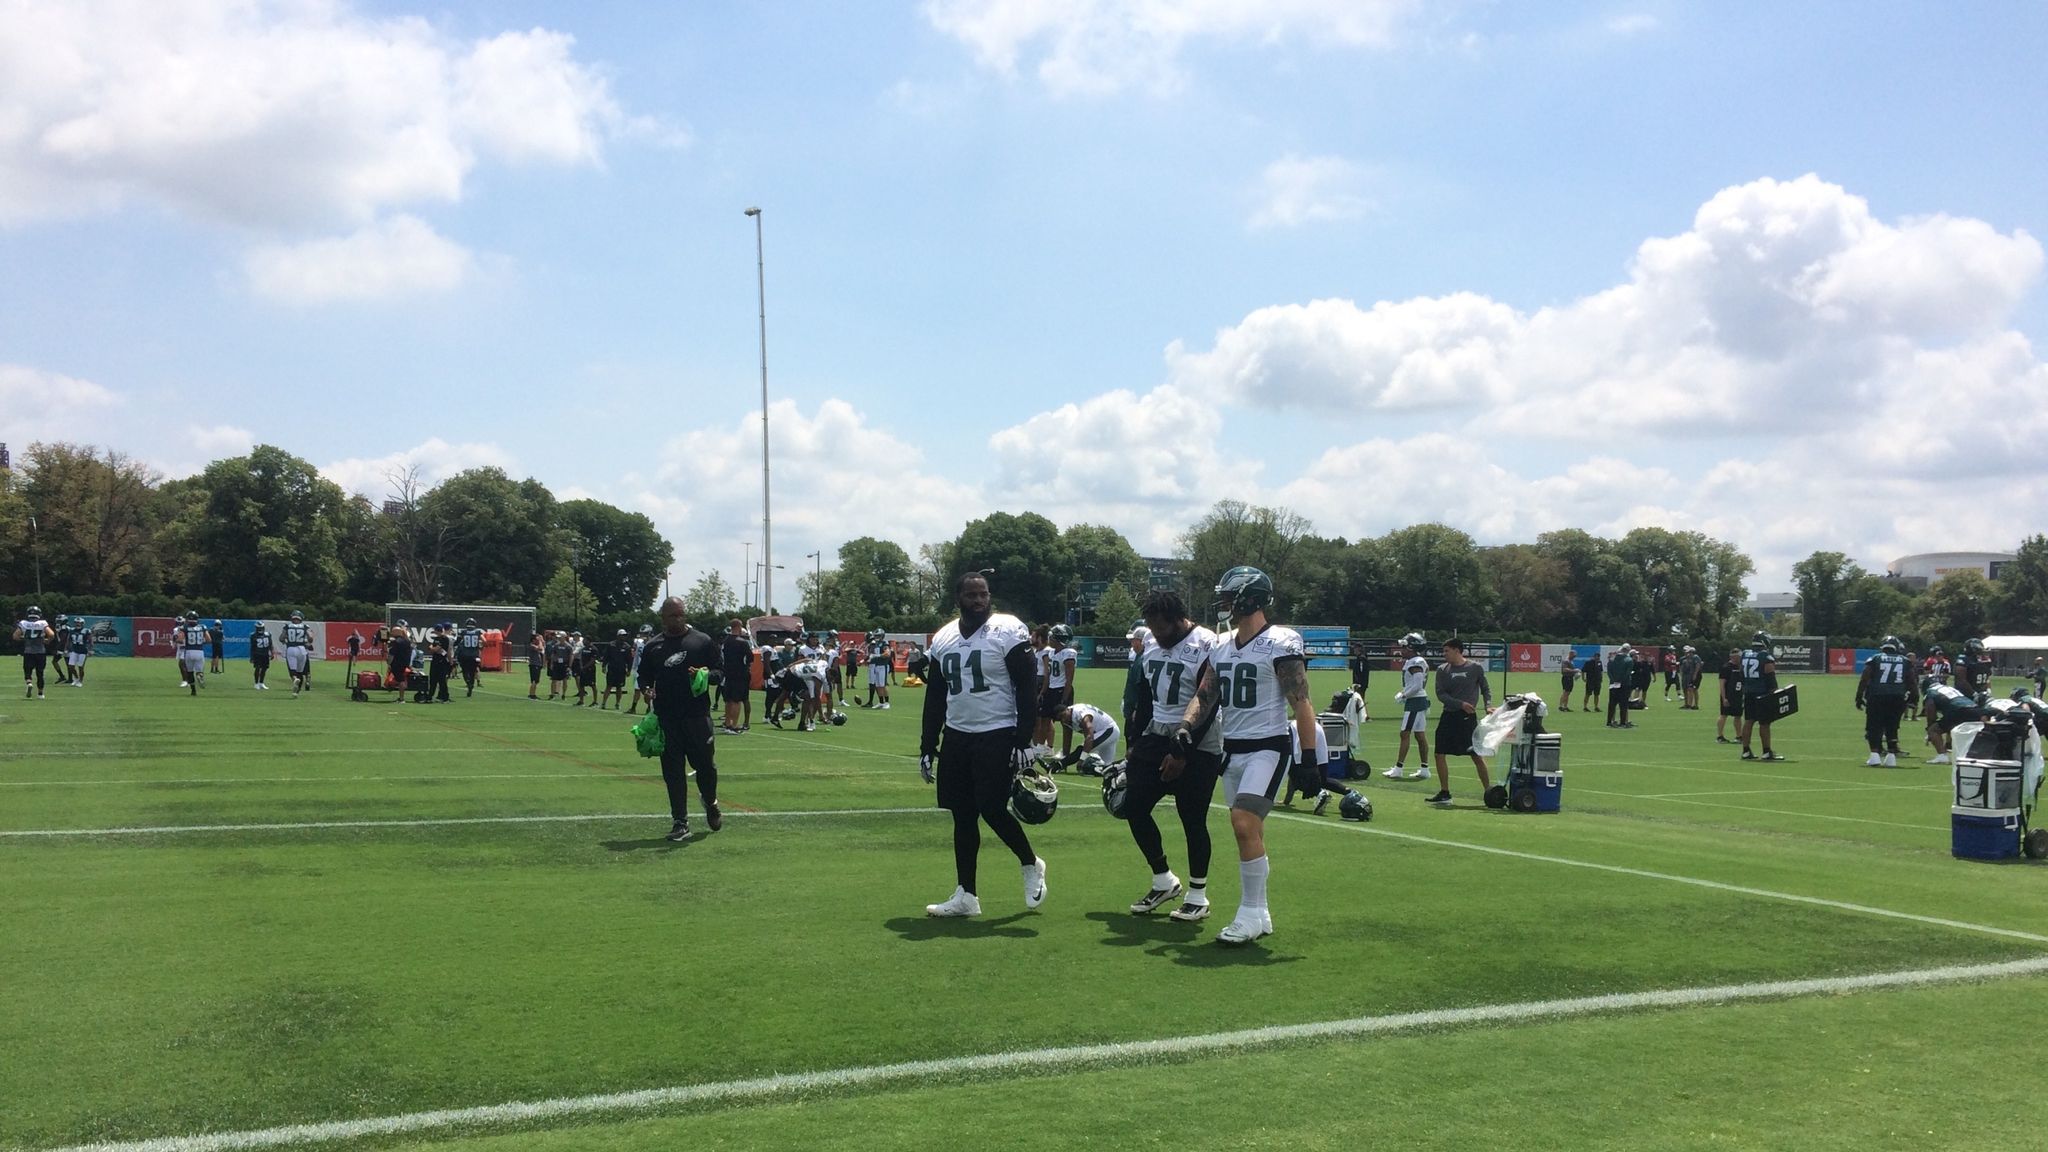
(1293, 678)
(1203, 705)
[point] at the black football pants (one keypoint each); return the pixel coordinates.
(686, 744)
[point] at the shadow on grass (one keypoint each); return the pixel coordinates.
(958, 927)
(1127, 931)
(650, 844)
(1210, 954)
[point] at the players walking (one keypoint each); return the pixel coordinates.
(1176, 655)
(298, 651)
(977, 726)
(1883, 694)
(34, 633)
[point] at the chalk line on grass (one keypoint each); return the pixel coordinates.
(1930, 827)
(1694, 881)
(1062, 1059)
(311, 825)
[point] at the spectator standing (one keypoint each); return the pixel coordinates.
(1621, 679)
(1568, 672)
(1731, 696)
(1592, 672)
(736, 654)
(1462, 689)
(536, 662)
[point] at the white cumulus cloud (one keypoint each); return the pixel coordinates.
(219, 441)
(37, 404)
(1298, 190)
(400, 256)
(1096, 47)
(436, 459)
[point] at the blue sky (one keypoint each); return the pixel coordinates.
(1515, 267)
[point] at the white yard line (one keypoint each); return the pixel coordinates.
(312, 779)
(309, 825)
(1694, 881)
(1929, 827)
(1839, 788)
(1596, 762)
(1060, 1059)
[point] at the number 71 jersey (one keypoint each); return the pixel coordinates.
(1248, 690)
(1172, 674)
(979, 695)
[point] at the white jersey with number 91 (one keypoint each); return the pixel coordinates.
(1249, 699)
(970, 670)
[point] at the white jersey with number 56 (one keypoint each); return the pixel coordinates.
(970, 670)
(1249, 699)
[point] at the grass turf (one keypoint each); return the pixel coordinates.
(175, 983)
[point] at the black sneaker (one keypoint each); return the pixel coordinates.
(1769, 755)
(1441, 799)
(1723, 740)
(1629, 724)
(1748, 755)
(679, 832)
(713, 818)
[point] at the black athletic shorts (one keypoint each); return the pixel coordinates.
(533, 671)
(1144, 788)
(975, 769)
(1051, 701)
(32, 662)
(1758, 709)
(1732, 707)
(1454, 731)
(615, 681)
(558, 671)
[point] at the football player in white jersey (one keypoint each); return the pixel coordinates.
(1099, 733)
(1176, 656)
(297, 636)
(1257, 684)
(1041, 693)
(978, 715)
(35, 635)
(1060, 660)
(1414, 701)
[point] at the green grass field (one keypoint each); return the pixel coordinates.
(490, 916)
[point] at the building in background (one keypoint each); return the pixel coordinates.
(1771, 604)
(1917, 572)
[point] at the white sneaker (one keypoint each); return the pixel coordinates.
(1154, 897)
(1419, 774)
(1941, 758)
(1874, 761)
(962, 903)
(1393, 773)
(885, 705)
(1034, 883)
(1249, 926)
(1890, 760)
(1191, 911)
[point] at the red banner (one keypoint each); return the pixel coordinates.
(338, 632)
(153, 636)
(1525, 657)
(1841, 660)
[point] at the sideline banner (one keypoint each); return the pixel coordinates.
(330, 639)
(1849, 660)
(1527, 658)
(1329, 648)
(1800, 653)
(152, 636)
(111, 635)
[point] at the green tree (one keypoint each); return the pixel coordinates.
(2019, 599)
(488, 539)
(877, 575)
(1116, 611)
(264, 527)
(1872, 607)
(1532, 591)
(621, 558)
(929, 586)
(710, 598)
(1823, 580)
(1953, 609)
(565, 602)
(1728, 571)
(1434, 578)
(1102, 553)
(1674, 576)
(1031, 564)
(17, 561)
(1233, 533)
(96, 518)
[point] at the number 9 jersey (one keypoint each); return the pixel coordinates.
(979, 695)
(1247, 688)
(1172, 674)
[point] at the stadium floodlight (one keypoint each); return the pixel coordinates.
(761, 283)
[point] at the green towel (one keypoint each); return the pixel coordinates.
(647, 736)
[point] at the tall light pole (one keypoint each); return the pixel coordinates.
(817, 576)
(35, 535)
(747, 574)
(767, 548)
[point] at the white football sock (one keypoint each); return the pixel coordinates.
(1253, 874)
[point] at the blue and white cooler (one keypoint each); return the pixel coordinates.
(1997, 771)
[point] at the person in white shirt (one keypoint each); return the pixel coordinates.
(1414, 701)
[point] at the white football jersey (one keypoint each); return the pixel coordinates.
(1172, 673)
(1057, 671)
(812, 670)
(1090, 714)
(1248, 690)
(979, 695)
(297, 636)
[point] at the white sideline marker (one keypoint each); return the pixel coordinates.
(1059, 1059)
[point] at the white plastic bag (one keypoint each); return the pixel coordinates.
(1497, 728)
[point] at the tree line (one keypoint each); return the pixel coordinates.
(104, 532)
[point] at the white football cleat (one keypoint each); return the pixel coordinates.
(1034, 883)
(1940, 758)
(1874, 761)
(962, 903)
(1191, 911)
(1154, 897)
(1248, 926)
(1891, 760)
(1393, 773)
(1419, 774)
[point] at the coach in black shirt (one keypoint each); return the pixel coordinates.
(671, 664)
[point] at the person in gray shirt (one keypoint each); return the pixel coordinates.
(1461, 686)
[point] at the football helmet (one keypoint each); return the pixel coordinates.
(1034, 796)
(1890, 644)
(191, 617)
(1115, 789)
(1761, 639)
(1936, 651)
(298, 616)
(1413, 641)
(1090, 765)
(470, 622)
(1242, 591)
(1355, 806)
(35, 613)
(1061, 635)
(838, 719)
(258, 627)
(1973, 644)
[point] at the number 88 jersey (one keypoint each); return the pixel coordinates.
(1171, 674)
(1248, 690)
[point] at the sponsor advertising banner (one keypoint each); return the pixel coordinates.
(152, 636)
(1796, 654)
(1849, 660)
(331, 639)
(111, 635)
(1328, 648)
(1526, 658)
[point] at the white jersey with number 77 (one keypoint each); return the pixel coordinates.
(1249, 700)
